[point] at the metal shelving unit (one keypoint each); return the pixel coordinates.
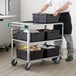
(27, 27)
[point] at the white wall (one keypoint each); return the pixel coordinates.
(30, 6)
(73, 15)
(2, 7)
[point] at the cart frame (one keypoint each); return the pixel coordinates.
(23, 25)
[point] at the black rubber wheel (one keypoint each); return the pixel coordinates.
(56, 60)
(27, 66)
(53, 59)
(14, 62)
(7, 48)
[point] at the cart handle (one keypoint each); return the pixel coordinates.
(25, 26)
(8, 24)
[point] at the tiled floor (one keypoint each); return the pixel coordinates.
(47, 68)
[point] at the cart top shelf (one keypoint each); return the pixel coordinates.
(31, 24)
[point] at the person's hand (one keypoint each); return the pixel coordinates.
(56, 13)
(39, 12)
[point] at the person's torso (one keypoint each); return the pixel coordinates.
(56, 4)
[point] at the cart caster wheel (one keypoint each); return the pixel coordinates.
(27, 66)
(14, 62)
(56, 60)
(7, 48)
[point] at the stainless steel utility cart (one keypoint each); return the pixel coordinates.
(40, 38)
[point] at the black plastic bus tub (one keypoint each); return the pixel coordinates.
(34, 37)
(45, 18)
(22, 54)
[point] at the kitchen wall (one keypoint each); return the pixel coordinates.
(73, 15)
(2, 7)
(31, 6)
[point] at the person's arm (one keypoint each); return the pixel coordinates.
(43, 8)
(64, 7)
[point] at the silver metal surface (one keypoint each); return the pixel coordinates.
(28, 43)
